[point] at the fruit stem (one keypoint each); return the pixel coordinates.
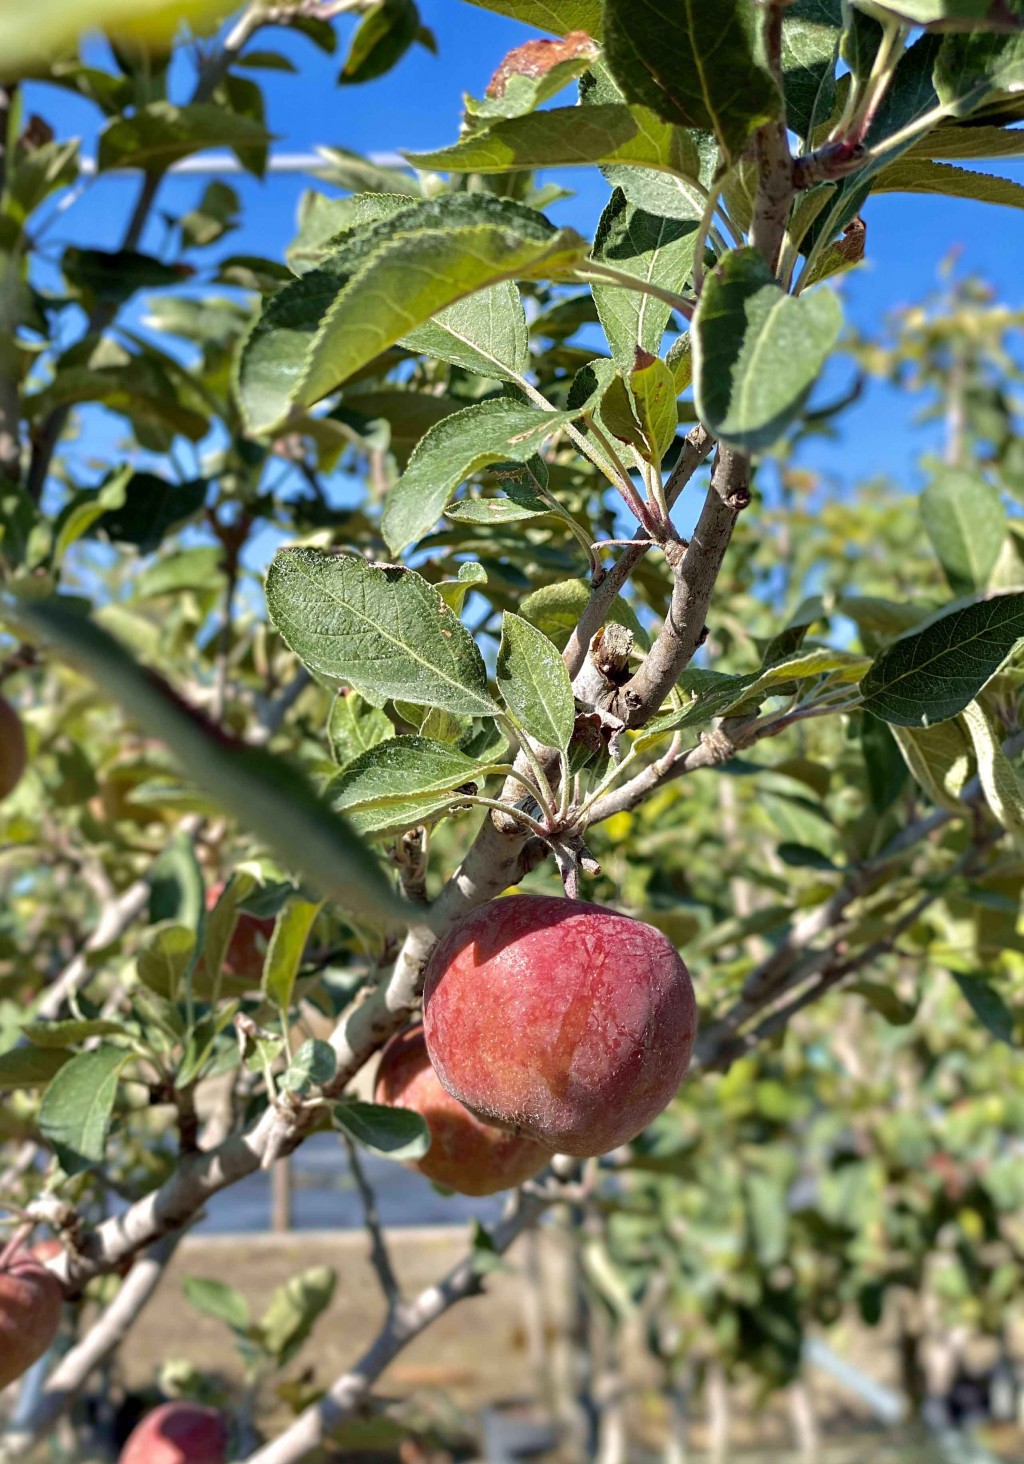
(568, 868)
(15, 1243)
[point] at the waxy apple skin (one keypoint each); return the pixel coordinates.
(31, 1301)
(559, 1019)
(465, 1154)
(178, 1433)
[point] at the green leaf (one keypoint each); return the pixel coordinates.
(966, 523)
(381, 39)
(267, 795)
(31, 34)
(396, 1133)
(810, 41)
(347, 169)
(987, 1005)
(757, 351)
(534, 683)
(152, 508)
(30, 1067)
(654, 392)
(715, 693)
(69, 1033)
(380, 628)
(492, 511)
(325, 222)
(293, 1312)
(666, 170)
(975, 69)
(694, 64)
(176, 890)
(314, 1064)
(885, 1002)
(85, 509)
(450, 452)
(216, 1299)
(111, 277)
(919, 175)
(201, 1043)
(284, 953)
(999, 781)
(216, 214)
(767, 1217)
(394, 771)
(947, 15)
(159, 134)
(188, 569)
(380, 283)
(969, 141)
(570, 137)
(555, 610)
(658, 251)
(164, 958)
(485, 333)
(930, 676)
(74, 1115)
(354, 726)
(939, 760)
(883, 762)
(558, 16)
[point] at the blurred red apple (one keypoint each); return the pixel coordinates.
(31, 1300)
(178, 1433)
(248, 943)
(465, 1154)
(13, 752)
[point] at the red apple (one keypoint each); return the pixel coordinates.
(178, 1433)
(31, 1300)
(560, 1020)
(248, 943)
(465, 1154)
(13, 752)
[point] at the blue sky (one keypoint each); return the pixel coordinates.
(418, 106)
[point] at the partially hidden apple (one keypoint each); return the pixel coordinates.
(178, 1433)
(13, 752)
(559, 1020)
(465, 1154)
(31, 1300)
(249, 940)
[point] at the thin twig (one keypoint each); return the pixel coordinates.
(10, 394)
(696, 446)
(380, 1256)
(694, 578)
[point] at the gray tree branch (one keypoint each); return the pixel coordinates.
(774, 162)
(696, 446)
(380, 1256)
(694, 577)
(313, 1428)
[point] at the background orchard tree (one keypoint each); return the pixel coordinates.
(593, 623)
